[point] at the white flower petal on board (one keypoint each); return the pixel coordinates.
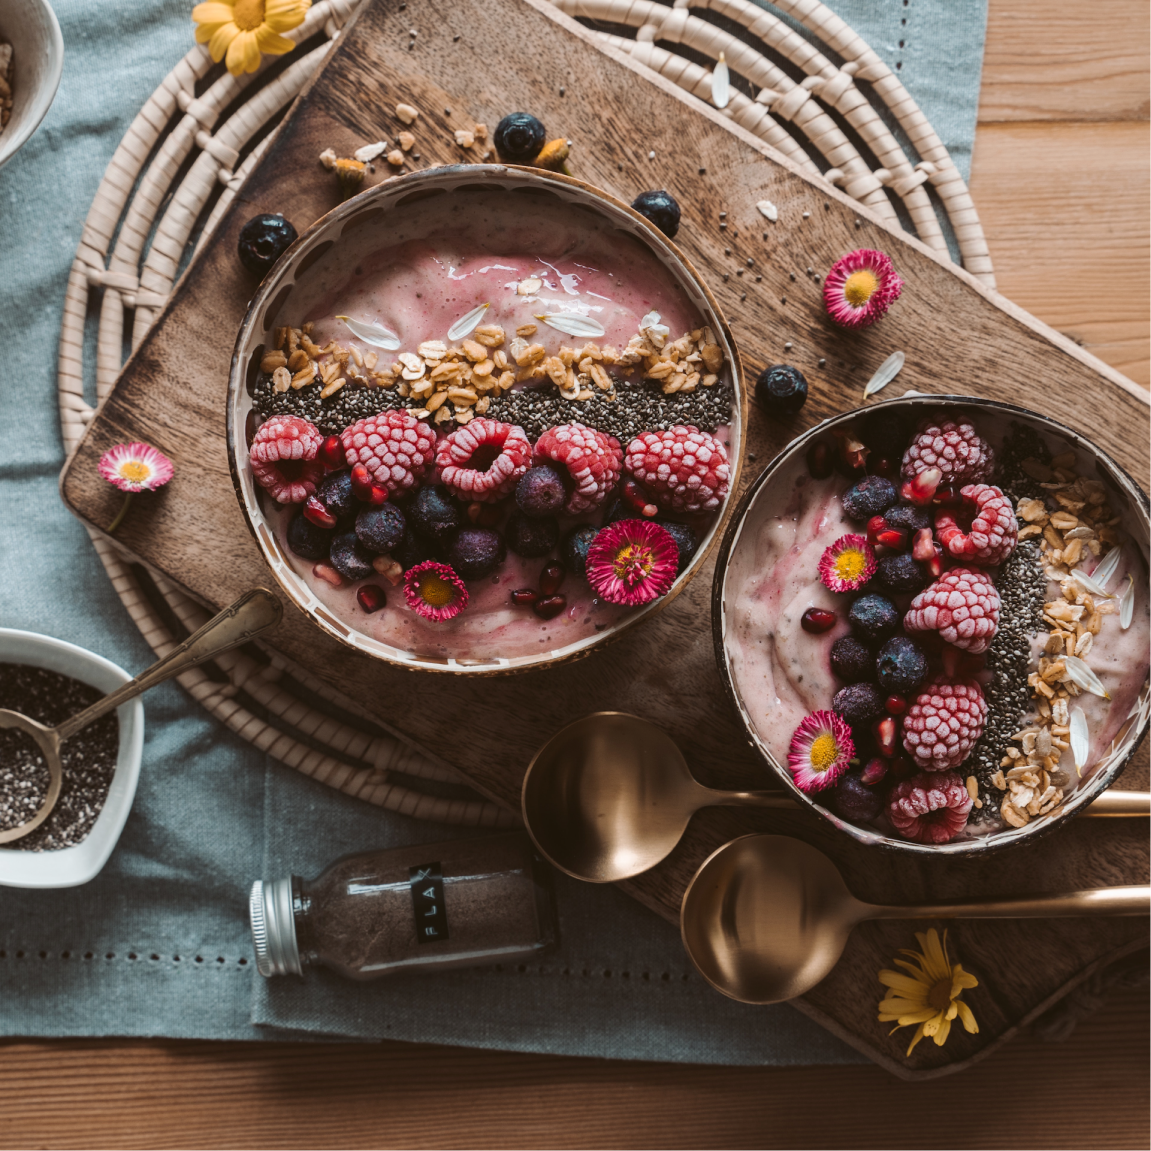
(884, 374)
(720, 83)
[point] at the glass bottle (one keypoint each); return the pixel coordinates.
(423, 908)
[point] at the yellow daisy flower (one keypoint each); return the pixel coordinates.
(247, 29)
(929, 995)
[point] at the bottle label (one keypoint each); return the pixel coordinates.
(428, 903)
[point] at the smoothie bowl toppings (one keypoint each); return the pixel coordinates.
(944, 648)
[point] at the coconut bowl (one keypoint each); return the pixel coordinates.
(30, 26)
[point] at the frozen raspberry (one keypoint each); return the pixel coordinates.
(993, 531)
(954, 447)
(283, 456)
(685, 470)
(943, 723)
(591, 458)
(482, 461)
(397, 449)
(930, 807)
(962, 605)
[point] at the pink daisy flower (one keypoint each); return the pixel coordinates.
(860, 287)
(435, 591)
(848, 564)
(820, 751)
(632, 562)
(135, 467)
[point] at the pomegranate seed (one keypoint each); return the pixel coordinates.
(874, 770)
(895, 705)
(883, 467)
(894, 538)
(251, 426)
(875, 525)
(371, 597)
(551, 607)
(332, 453)
(817, 620)
(635, 497)
(316, 513)
(935, 564)
(819, 462)
(885, 732)
(524, 596)
(328, 574)
(551, 577)
(361, 482)
(924, 546)
(921, 488)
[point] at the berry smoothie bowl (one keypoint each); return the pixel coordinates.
(932, 617)
(482, 419)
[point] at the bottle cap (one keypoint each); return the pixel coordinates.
(274, 928)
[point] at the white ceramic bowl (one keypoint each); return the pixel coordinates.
(30, 26)
(73, 866)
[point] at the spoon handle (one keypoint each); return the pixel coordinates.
(751, 799)
(1116, 803)
(1067, 904)
(252, 613)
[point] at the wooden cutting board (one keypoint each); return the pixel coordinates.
(475, 60)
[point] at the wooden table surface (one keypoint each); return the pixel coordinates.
(1060, 180)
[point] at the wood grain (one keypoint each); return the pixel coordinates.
(955, 334)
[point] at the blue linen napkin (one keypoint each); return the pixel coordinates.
(158, 943)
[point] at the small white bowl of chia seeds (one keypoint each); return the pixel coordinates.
(49, 679)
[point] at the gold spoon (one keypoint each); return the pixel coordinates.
(766, 917)
(252, 613)
(611, 795)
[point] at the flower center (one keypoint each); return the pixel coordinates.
(435, 592)
(248, 15)
(134, 471)
(633, 563)
(939, 997)
(849, 564)
(824, 751)
(857, 289)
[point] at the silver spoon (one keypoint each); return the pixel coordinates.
(252, 613)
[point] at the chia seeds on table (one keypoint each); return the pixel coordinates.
(1022, 587)
(636, 408)
(88, 759)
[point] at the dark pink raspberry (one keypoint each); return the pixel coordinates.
(685, 470)
(962, 605)
(591, 458)
(993, 531)
(943, 723)
(931, 807)
(954, 447)
(483, 461)
(283, 456)
(396, 448)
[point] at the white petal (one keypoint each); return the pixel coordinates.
(465, 325)
(1107, 566)
(1080, 739)
(720, 88)
(1127, 604)
(572, 324)
(884, 374)
(372, 333)
(369, 152)
(1091, 584)
(1083, 677)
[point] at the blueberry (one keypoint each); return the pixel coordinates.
(685, 540)
(308, 540)
(413, 550)
(858, 703)
(781, 390)
(854, 801)
(661, 209)
(618, 510)
(530, 537)
(477, 552)
(350, 558)
(908, 518)
(901, 665)
(886, 434)
(871, 496)
(263, 240)
(873, 617)
(900, 573)
(542, 491)
(380, 529)
(434, 514)
(519, 136)
(335, 493)
(852, 660)
(575, 548)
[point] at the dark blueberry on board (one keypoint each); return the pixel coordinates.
(661, 209)
(781, 390)
(519, 137)
(263, 240)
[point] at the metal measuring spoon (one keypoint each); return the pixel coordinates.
(611, 795)
(766, 917)
(252, 613)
